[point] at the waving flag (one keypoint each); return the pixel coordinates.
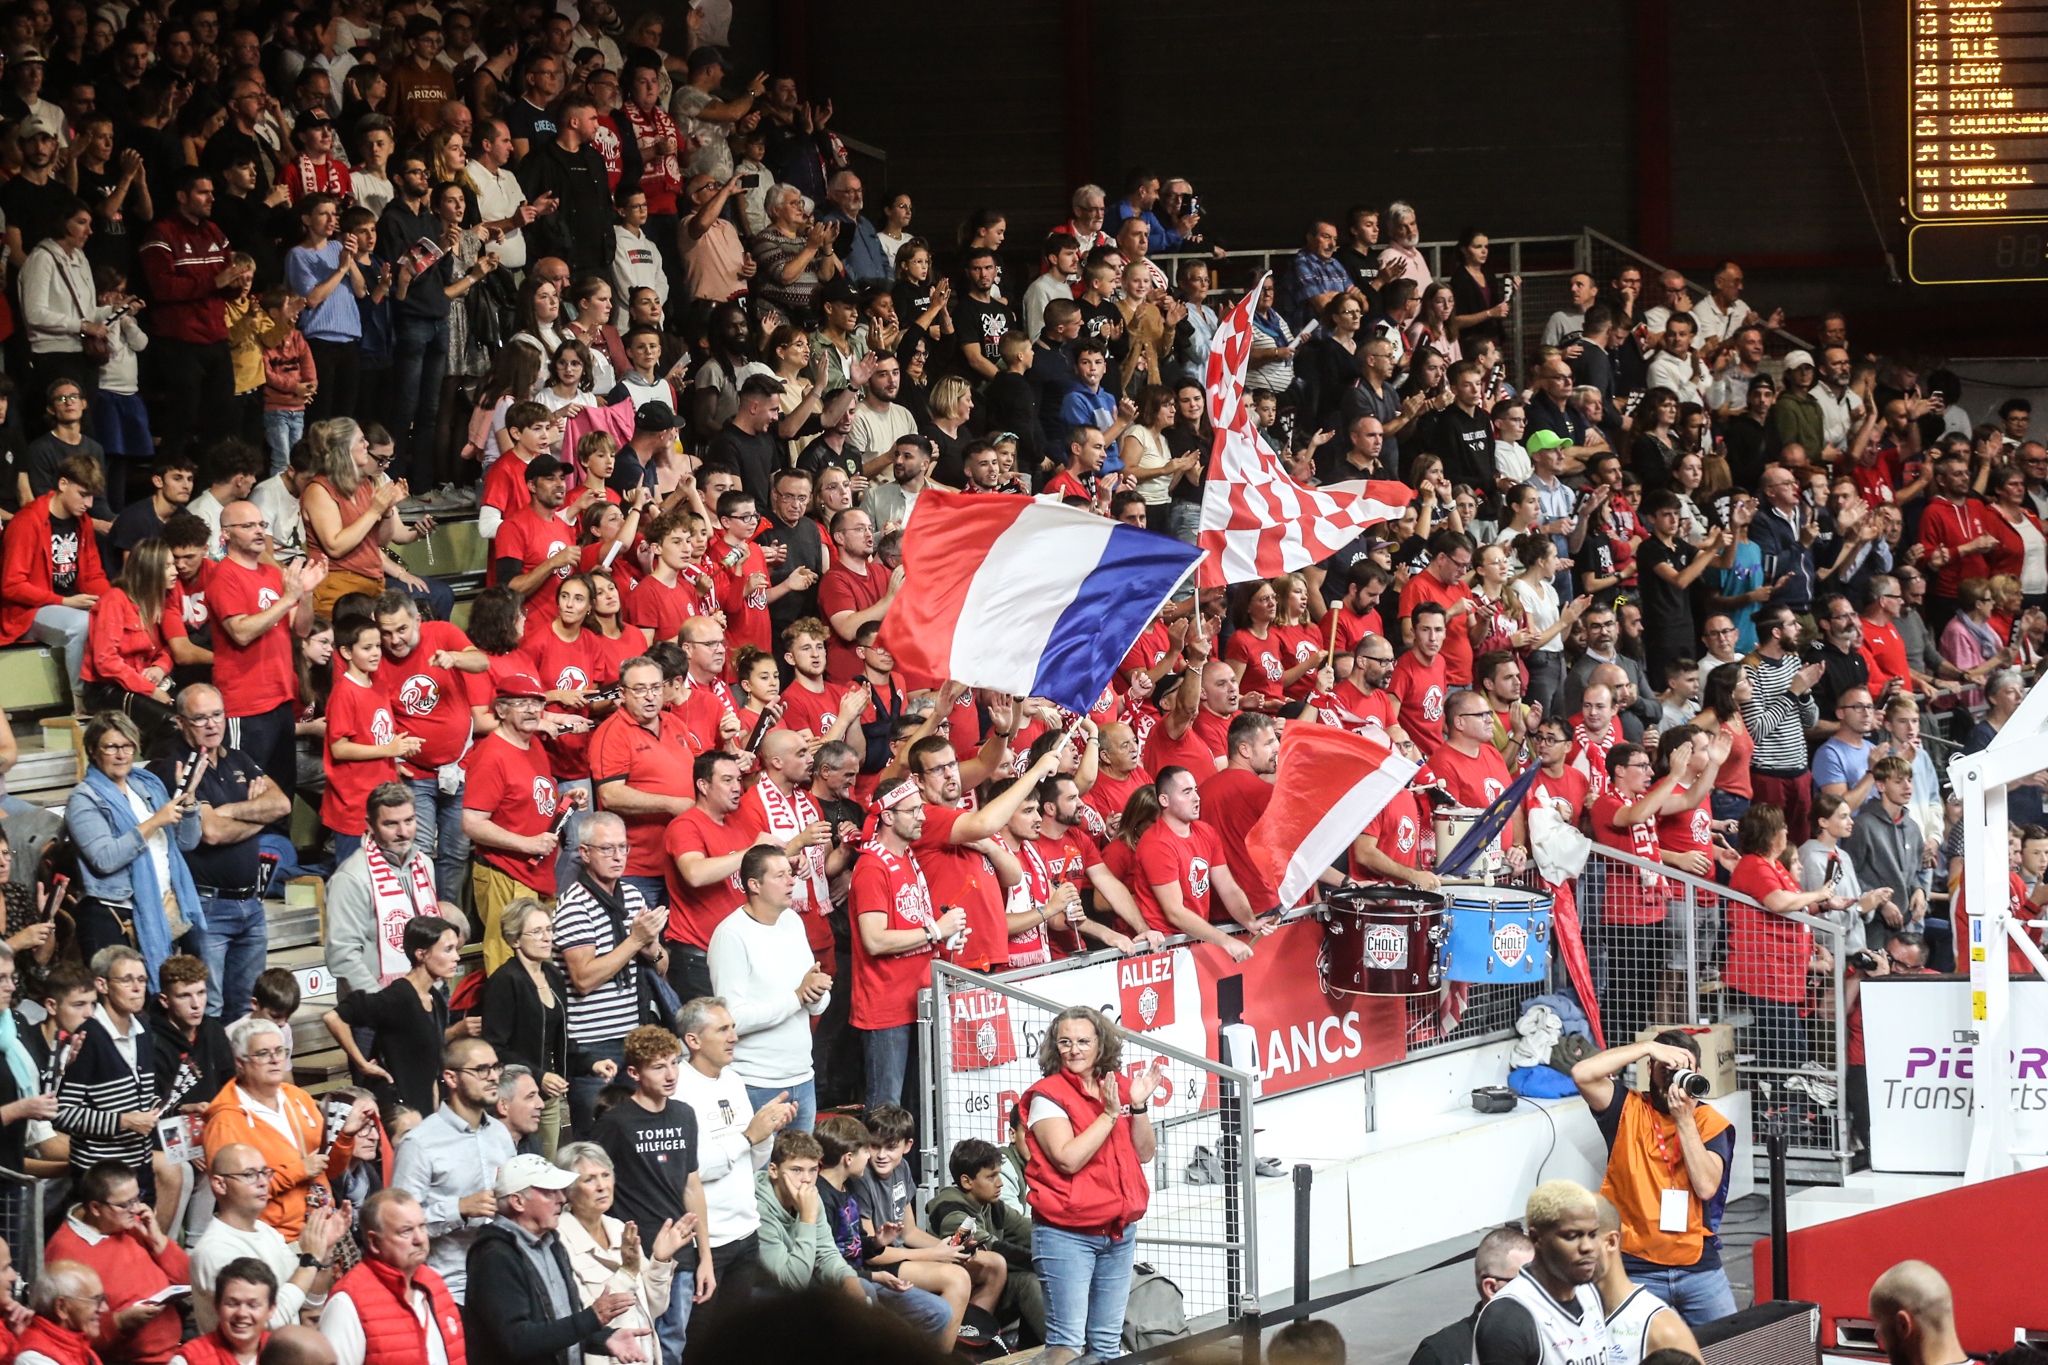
(1257, 522)
(1026, 597)
(1330, 785)
(1456, 862)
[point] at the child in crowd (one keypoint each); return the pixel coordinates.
(532, 431)
(975, 1201)
(644, 382)
(844, 1147)
(289, 378)
(119, 417)
(597, 455)
(250, 330)
(363, 743)
(888, 1207)
(275, 997)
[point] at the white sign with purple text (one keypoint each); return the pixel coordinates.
(1921, 1067)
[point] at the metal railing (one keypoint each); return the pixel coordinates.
(21, 1223)
(1791, 1058)
(1200, 1231)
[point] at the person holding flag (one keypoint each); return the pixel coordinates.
(1389, 848)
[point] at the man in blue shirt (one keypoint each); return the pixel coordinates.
(860, 246)
(1313, 278)
(1141, 192)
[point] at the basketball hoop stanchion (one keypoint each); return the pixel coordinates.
(1980, 780)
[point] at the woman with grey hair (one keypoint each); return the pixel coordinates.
(526, 1018)
(348, 513)
(793, 257)
(608, 1256)
(132, 837)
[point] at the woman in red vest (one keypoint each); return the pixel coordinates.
(244, 1293)
(1088, 1134)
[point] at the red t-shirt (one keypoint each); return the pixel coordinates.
(1064, 485)
(803, 709)
(567, 666)
(1348, 708)
(186, 604)
(532, 539)
(1233, 799)
(621, 748)
(505, 486)
(1103, 807)
(1475, 779)
(1571, 788)
(1398, 831)
(1303, 643)
(1122, 861)
(662, 609)
(1688, 831)
(1421, 690)
(1879, 474)
(1351, 627)
(2019, 906)
(625, 565)
(1633, 895)
(746, 613)
(1457, 650)
(1767, 954)
(842, 590)
(1886, 653)
(1152, 646)
(695, 912)
(1190, 751)
(703, 712)
(1265, 661)
(359, 713)
(1165, 859)
(259, 676)
(1068, 857)
(432, 703)
(516, 789)
(885, 988)
(960, 876)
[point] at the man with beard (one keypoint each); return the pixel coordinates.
(1550, 1312)
(1669, 1213)
(374, 892)
(1361, 703)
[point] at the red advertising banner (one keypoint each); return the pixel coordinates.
(982, 1035)
(1144, 992)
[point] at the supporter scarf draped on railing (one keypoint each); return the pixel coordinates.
(1257, 522)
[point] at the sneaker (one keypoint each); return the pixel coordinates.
(454, 499)
(413, 506)
(1204, 1168)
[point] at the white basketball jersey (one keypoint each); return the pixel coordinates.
(1572, 1333)
(1628, 1327)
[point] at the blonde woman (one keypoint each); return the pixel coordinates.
(448, 157)
(1149, 322)
(349, 517)
(948, 407)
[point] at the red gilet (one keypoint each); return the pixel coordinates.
(1108, 1193)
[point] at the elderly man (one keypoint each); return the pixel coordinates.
(113, 1233)
(241, 1179)
(236, 800)
(393, 1293)
(71, 1313)
(1400, 258)
(609, 941)
(526, 1306)
(446, 1162)
(859, 245)
(283, 1123)
(375, 891)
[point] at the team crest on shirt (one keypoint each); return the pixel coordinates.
(1404, 834)
(544, 795)
(571, 678)
(381, 728)
(1433, 704)
(266, 598)
(555, 548)
(1271, 663)
(1493, 790)
(419, 694)
(1198, 877)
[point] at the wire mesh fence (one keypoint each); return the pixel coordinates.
(983, 1054)
(21, 1222)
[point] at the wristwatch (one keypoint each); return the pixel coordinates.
(308, 1261)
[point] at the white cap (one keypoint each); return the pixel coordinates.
(1794, 359)
(530, 1170)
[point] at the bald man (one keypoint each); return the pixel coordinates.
(555, 271)
(1915, 1316)
(781, 806)
(1194, 726)
(1118, 773)
(297, 1346)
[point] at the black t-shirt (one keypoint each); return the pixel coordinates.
(819, 456)
(33, 208)
(522, 120)
(755, 457)
(13, 461)
(1842, 672)
(1465, 443)
(46, 452)
(409, 1040)
(1667, 610)
(1595, 559)
(226, 783)
(1362, 270)
(138, 522)
(806, 551)
(163, 155)
(983, 325)
(1507, 1335)
(63, 556)
(653, 1156)
(911, 299)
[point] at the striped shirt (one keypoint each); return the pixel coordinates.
(1777, 717)
(612, 1010)
(107, 1079)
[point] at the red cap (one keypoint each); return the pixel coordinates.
(519, 685)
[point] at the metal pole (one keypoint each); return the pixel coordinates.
(1781, 1273)
(1304, 1178)
(1231, 1149)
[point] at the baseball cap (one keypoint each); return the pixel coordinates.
(32, 128)
(531, 1171)
(513, 684)
(1544, 440)
(654, 416)
(838, 290)
(705, 56)
(543, 467)
(1794, 359)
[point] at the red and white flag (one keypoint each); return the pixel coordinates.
(1257, 522)
(1330, 785)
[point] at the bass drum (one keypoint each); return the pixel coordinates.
(1382, 940)
(1498, 934)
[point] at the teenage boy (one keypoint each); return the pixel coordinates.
(888, 1201)
(810, 704)
(741, 573)
(975, 1200)
(535, 548)
(506, 486)
(673, 590)
(651, 1138)
(844, 1147)
(171, 479)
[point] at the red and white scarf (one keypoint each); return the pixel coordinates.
(396, 897)
(788, 816)
(1030, 893)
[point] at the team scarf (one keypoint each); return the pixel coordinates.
(1589, 756)
(396, 897)
(788, 816)
(328, 177)
(1031, 892)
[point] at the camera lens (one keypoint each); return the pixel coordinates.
(1692, 1083)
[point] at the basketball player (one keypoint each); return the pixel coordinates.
(1550, 1314)
(1638, 1322)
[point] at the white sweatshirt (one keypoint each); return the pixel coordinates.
(726, 1161)
(757, 968)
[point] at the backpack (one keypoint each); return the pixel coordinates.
(1156, 1311)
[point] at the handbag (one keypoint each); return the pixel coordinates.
(99, 350)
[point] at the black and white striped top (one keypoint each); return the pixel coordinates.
(1776, 718)
(612, 1011)
(99, 1087)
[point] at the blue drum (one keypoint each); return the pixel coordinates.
(1497, 934)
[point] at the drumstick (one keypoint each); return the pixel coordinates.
(1330, 654)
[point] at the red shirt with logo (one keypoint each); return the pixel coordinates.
(186, 603)
(1886, 654)
(1265, 661)
(1232, 802)
(842, 590)
(695, 912)
(1457, 650)
(663, 609)
(746, 610)
(1187, 861)
(516, 789)
(1569, 788)
(1633, 895)
(259, 676)
(803, 709)
(958, 875)
(505, 486)
(432, 703)
(647, 761)
(1688, 831)
(357, 712)
(1398, 831)
(1767, 954)
(1304, 642)
(1351, 627)
(893, 885)
(1103, 807)
(1475, 779)
(566, 666)
(533, 539)
(1068, 857)
(1421, 689)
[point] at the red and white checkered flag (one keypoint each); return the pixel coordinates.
(1257, 522)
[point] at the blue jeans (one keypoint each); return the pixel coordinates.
(66, 628)
(419, 366)
(921, 1308)
(345, 846)
(672, 1328)
(804, 1096)
(891, 1057)
(1086, 1281)
(283, 428)
(440, 835)
(1698, 1295)
(234, 943)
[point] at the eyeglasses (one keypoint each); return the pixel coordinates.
(719, 643)
(482, 1069)
(610, 850)
(245, 526)
(256, 1175)
(270, 1054)
(740, 516)
(643, 689)
(68, 398)
(208, 718)
(114, 747)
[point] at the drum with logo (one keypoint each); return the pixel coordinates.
(1453, 823)
(1497, 934)
(1382, 940)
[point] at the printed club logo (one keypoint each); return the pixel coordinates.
(1386, 947)
(555, 548)
(419, 695)
(266, 598)
(381, 729)
(1510, 941)
(982, 1036)
(1404, 834)
(544, 795)
(1198, 877)
(1271, 663)
(1433, 704)
(571, 679)
(1144, 987)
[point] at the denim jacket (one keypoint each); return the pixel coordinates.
(104, 857)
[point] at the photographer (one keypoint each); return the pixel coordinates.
(1667, 1171)
(1904, 954)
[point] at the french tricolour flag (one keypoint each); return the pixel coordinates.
(1026, 597)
